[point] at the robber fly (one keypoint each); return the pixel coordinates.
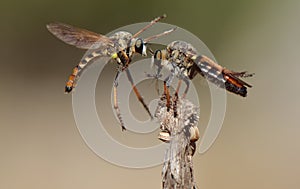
(120, 46)
(182, 59)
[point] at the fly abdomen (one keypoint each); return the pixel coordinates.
(70, 85)
(210, 72)
(71, 80)
(234, 86)
(216, 74)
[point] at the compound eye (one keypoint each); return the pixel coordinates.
(138, 43)
(157, 54)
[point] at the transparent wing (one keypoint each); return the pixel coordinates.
(78, 37)
(238, 75)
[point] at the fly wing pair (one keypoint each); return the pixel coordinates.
(78, 37)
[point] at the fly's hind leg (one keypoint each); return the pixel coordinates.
(167, 94)
(187, 82)
(137, 93)
(167, 83)
(116, 106)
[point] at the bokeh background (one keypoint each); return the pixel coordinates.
(258, 146)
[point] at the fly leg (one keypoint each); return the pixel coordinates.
(187, 83)
(175, 99)
(167, 83)
(178, 87)
(116, 106)
(137, 93)
(156, 75)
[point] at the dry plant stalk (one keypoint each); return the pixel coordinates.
(179, 129)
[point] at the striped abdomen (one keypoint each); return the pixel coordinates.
(220, 76)
(70, 85)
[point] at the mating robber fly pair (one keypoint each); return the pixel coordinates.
(179, 57)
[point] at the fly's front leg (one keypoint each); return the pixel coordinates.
(157, 74)
(116, 106)
(167, 94)
(178, 87)
(187, 83)
(137, 93)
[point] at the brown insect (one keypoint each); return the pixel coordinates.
(120, 46)
(182, 59)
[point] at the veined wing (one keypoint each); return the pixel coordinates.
(238, 75)
(78, 37)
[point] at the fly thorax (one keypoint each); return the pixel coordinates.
(129, 51)
(183, 47)
(121, 40)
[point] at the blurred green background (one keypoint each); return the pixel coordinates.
(258, 146)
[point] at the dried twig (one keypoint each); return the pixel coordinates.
(179, 128)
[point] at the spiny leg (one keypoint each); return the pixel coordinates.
(175, 100)
(155, 79)
(178, 87)
(167, 83)
(167, 93)
(137, 93)
(187, 83)
(116, 106)
(156, 75)
(156, 86)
